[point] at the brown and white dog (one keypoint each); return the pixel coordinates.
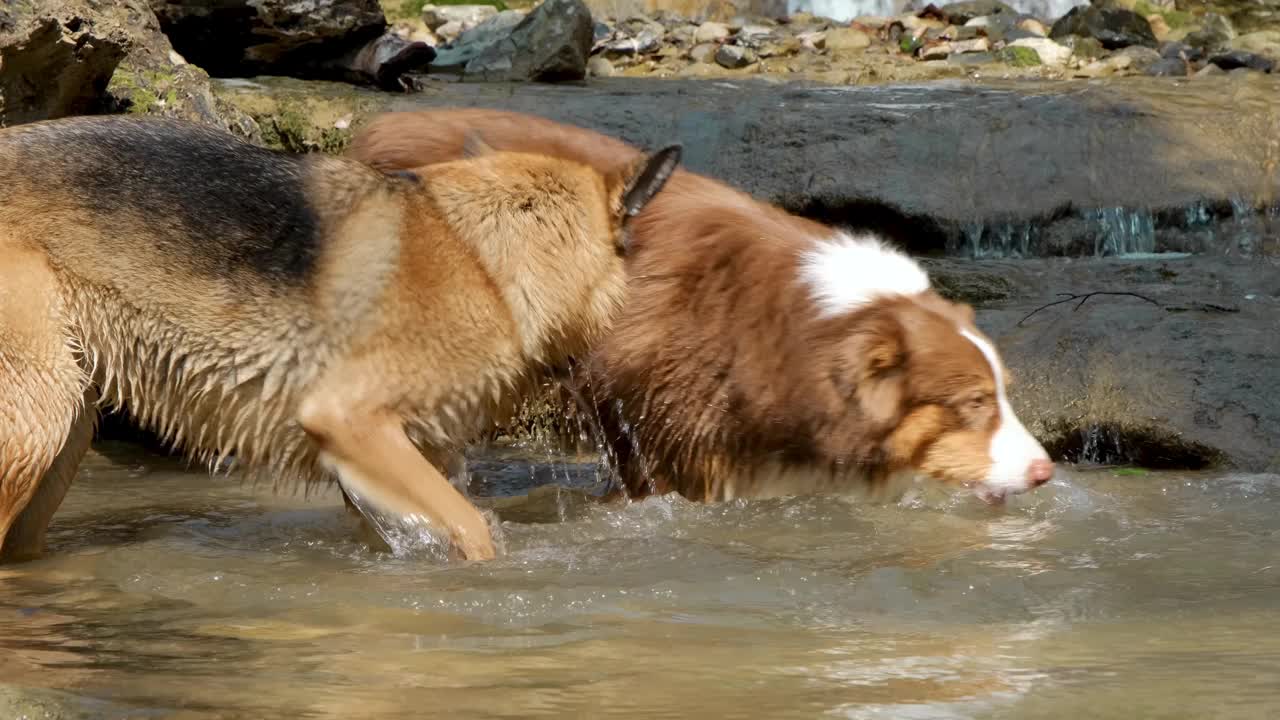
(760, 353)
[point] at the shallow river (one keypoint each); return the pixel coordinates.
(168, 594)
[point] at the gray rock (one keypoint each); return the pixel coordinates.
(455, 56)
(296, 38)
(1173, 49)
(1140, 57)
(1215, 32)
(1234, 59)
(704, 53)
(1167, 67)
(959, 13)
(1113, 27)
(56, 59)
(735, 56)
(550, 44)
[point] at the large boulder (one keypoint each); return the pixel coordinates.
(550, 44)
(320, 39)
(1114, 27)
(57, 57)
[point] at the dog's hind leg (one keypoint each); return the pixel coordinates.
(42, 390)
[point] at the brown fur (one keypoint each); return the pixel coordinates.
(428, 303)
(716, 381)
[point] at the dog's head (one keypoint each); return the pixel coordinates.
(904, 378)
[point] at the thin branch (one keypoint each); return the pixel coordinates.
(1083, 298)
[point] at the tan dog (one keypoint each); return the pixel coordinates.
(306, 315)
(760, 353)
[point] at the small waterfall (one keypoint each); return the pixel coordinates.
(846, 10)
(1120, 231)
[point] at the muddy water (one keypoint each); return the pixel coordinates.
(168, 594)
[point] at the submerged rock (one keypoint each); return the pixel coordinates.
(56, 58)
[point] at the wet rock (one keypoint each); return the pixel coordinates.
(734, 56)
(1140, 57)
(466, 16)
(846, 40)
(1240, 59)
(1209, 71)
(1113, 27)
(709, 32)
(959, 13)
(455, 56)
(1215, 32)
(56, 59)
(1263, 42)
(1049, 52)
(550, 44)
(1181, 51)
(243, 38)
(1169, 67)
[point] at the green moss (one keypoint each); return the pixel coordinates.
(1018, 56)
(140, 91)
(288, 127)
(1131, 471)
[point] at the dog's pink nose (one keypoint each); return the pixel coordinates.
(1039, 472)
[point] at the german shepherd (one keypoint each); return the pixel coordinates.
(307, 316)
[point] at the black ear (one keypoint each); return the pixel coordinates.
(648, 177)
(474, 146)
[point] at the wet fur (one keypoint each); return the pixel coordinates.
(209, 285)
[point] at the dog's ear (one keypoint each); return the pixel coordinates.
(642, 180)
(474, 146)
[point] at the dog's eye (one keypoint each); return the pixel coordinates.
(978, 403)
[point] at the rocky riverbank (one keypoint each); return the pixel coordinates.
(973, 38)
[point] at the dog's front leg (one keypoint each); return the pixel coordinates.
(375, 460)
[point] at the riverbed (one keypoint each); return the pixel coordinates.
(1107, 593)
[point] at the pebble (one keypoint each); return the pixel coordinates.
(599, 66)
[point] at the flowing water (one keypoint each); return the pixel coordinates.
(1104, 595)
